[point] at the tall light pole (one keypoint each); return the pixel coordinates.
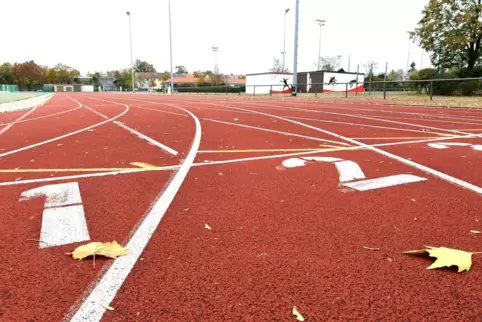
(284, 41)
(132, 57)
(321, 23)
(215, 50)
(295, 54)
(408, 56)
(170, 48)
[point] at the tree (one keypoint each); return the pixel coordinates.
(277, 67)
(28, 73)
(143, 66)
(370, 66)
(413, 67)
(181, 70)
(452, 31)
(6, 76)
(64, 74)
(327, 63)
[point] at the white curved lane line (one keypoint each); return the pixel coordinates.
(65, 135)
(103, 293)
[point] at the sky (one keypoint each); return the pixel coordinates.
(94, 35)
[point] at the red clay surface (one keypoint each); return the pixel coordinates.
(280, 237)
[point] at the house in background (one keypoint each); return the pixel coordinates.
(187, 79)
(107, 84)
(148, 81)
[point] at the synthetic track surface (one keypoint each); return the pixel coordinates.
(280, 236)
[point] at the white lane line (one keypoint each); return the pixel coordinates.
(160, 111)
(370, 118)
(65, 135)
(275, 131)
(372, 184)
(175, 167)
(9, 125)
(43, 117)
(139, 134)
(354, 116)
(422, 119)
(369, 126)
(92, 308)
(150, 140)
(413, 164)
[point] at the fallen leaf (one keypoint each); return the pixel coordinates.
(413, 200)
(236, 119)
(476, 232)
(107, 307)
(207, 226)
(370, 248)
(397, 228)
(446, 257)
(220, 173)
(414, 219)
(297, 314)
(111, 250)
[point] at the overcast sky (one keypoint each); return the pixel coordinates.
(94, 35)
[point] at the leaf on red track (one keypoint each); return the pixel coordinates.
(207, 226)
(297, 314)
(111, 250)
(108, 307)
(447, 257)
(476, 232)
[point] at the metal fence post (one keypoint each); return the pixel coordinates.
(385, 82)
(431, 90)
(254, 90)
(270, 90)
(346, 90)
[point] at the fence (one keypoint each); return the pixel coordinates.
(430, 88)
(8, 88)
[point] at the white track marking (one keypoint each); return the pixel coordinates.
(92, 308)
(371, 118)
(422, 119)
(55, 195)
(413, 164)
(9, 125)
(43, 117)
(150, 140)
(384, 182)
(138, 134)
(349, 171)
(446, 145)
(368, 126)
(160, 111)
(63, 218)
(275, 131)
(65, 135)
(175, 167)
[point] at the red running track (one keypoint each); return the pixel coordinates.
(280, 237)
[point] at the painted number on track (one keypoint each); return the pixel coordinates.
(351, 175)
(63, 218)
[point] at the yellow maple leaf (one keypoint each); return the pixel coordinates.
(447, 257)
(111, 250)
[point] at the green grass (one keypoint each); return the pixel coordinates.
(7, 97)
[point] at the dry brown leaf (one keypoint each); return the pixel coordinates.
(297, 314)
(111, 250)
(447, 257)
